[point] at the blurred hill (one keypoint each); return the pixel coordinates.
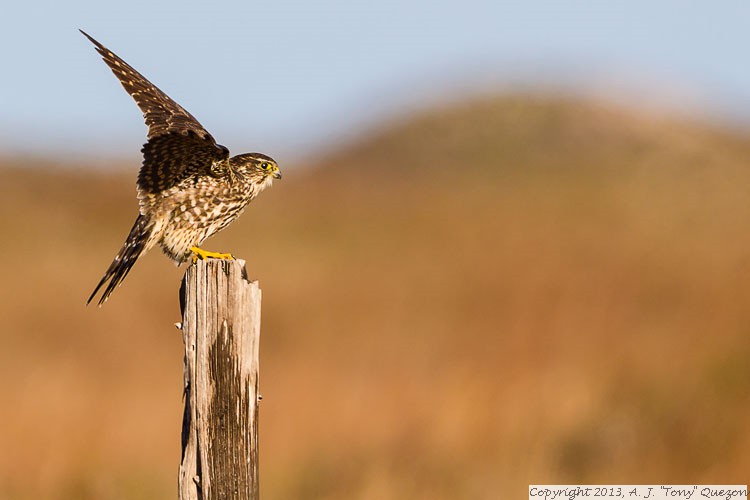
(517, 290)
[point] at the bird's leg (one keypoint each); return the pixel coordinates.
(199, 253)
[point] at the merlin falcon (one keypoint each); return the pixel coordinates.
(189, 188)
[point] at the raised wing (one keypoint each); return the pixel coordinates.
(161, 113)
(178, 147)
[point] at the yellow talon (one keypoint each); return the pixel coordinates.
(199, 253)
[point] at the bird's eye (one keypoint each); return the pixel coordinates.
(264, 165)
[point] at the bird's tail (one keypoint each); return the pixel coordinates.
(126, 257)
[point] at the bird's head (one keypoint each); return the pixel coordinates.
(256, 166)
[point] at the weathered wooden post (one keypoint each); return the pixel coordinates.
(221, 331)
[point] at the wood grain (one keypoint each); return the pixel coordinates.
(221, 332)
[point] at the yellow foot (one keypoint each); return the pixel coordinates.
(199, 253)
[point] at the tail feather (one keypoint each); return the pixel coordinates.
(125, 258)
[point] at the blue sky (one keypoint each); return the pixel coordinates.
(292, 78)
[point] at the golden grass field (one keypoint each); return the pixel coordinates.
(518, 290)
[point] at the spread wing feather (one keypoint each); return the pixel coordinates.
(178, 146)
(161, 113)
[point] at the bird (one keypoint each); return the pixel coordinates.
(188, 186)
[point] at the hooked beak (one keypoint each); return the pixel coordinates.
(276, 174)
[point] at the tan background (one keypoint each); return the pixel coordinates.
(519, 290)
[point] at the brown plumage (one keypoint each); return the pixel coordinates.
(188, 186)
